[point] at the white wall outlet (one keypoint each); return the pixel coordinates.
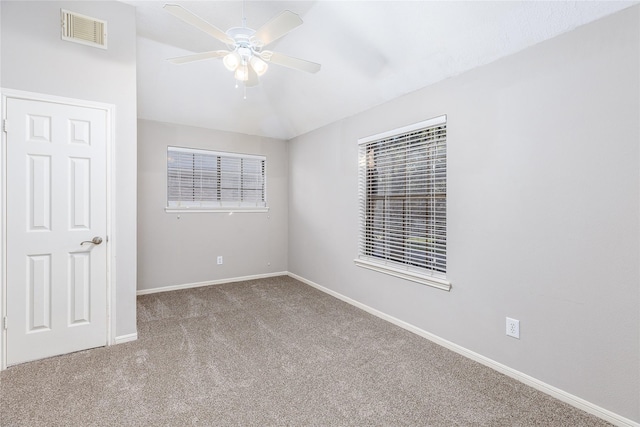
(513, 328)
(219, 259)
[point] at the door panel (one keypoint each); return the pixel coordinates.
(56, 200)
(39, 289)
(79, 196)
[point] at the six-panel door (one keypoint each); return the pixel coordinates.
(56, 200)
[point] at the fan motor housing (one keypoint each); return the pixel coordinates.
(242, 37)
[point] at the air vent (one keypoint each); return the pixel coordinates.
(83, 29)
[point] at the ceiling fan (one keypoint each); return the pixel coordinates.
(245, 56)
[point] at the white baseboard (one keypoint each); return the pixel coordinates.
(209, 283)
(562, 395)
(125, 338)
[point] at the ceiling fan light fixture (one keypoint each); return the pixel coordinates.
(245, 57)
(258, 65)
(231, 61)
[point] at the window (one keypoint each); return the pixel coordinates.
(403, 202)
(209, 180)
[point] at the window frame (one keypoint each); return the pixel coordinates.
(185, 206)
(385, 264)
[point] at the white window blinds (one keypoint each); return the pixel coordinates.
(201, 179)
(403, 200)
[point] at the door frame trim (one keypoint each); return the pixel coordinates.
(110, 111)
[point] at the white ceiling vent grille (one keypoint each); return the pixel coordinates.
(83, 29)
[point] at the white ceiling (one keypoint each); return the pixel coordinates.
(370, 51)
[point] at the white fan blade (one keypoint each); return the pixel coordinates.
(277, 27)
(252, 78)
(290, 61)
(199, 23)
(199, 56)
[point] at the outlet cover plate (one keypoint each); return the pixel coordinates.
(513, 328)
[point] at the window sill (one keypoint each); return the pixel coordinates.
(405, 274)
(215, 210)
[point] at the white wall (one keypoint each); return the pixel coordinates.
(543, 211)
(181, 249)
(35, 59)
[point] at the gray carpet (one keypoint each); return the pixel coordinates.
(271, 352)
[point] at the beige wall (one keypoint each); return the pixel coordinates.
(543, 211)
(178, 249)
(35, 59)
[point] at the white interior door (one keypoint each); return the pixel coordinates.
(56, 199)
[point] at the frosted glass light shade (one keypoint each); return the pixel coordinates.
(231, 61)
(258, 65)
(242, 73)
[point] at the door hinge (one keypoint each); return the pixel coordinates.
(4, 323)
(5, 125)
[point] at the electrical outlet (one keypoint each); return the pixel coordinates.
(513, 328)
(219, 259)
